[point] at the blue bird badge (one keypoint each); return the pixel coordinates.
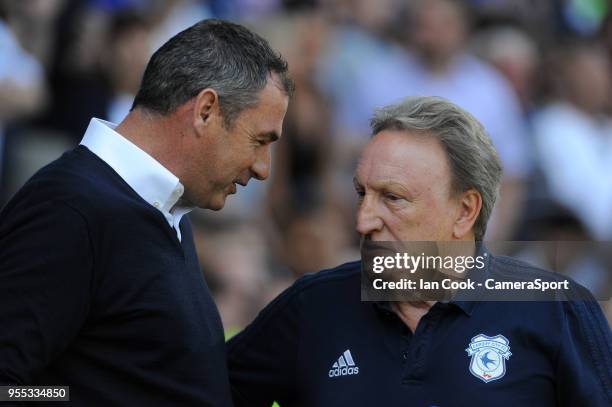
(489, 355)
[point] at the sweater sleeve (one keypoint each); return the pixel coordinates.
(46, 268)
(584, 365)
(262, 359)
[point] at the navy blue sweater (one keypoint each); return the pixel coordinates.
(97, 293)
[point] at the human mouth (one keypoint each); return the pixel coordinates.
(233, 186)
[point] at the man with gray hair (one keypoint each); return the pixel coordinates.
(100, 284)
(430, 173)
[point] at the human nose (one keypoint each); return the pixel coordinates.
(261, 166)
(368, 220)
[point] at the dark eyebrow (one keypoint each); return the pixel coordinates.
(356, 182)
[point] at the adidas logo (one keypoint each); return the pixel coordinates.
(344, 366)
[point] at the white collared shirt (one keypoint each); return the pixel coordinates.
(145, 175)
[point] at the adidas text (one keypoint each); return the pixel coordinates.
(344, 366)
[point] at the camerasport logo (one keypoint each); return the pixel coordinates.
(344, 366)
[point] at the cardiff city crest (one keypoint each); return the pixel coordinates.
(489, 355)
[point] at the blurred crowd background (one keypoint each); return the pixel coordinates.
(536, 73)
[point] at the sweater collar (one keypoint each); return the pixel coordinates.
(145, 175)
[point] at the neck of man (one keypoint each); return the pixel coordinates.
(156, 135)
(411, 312)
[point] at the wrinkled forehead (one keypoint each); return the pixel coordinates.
(401, 156)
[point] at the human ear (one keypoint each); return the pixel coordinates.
(470, 203)
(205, 110)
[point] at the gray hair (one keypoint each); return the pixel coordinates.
(473, 160)
(217, 54)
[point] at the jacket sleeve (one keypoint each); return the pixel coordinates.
(46, 268)
(584, 365)
(262, 359)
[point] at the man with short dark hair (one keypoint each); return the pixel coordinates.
(430, 173)
(100, 285)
